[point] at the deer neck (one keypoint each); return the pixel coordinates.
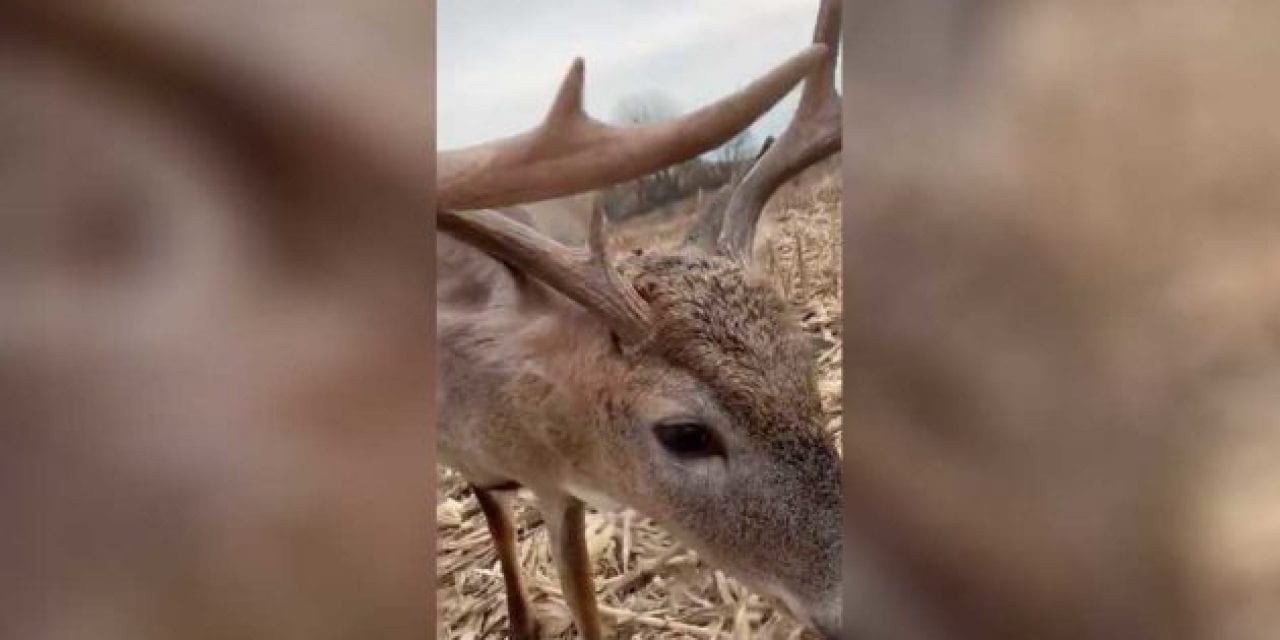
(552, 361)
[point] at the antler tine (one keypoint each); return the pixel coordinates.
(586, 275)
(571, 153)
(813, 134)
(705, 232)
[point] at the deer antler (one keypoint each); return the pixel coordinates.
(813, 134)
(571, 153)
(585, 276)
(705, 231)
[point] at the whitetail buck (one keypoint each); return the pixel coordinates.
(674, 381)
(215, 319)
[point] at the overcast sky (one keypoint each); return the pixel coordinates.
(500, 61)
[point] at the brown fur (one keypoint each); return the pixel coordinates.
(548, 399)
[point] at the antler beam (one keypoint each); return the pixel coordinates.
(570, 152)
(586, 276)
(813, 134)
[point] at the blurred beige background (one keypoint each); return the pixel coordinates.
(215, 254)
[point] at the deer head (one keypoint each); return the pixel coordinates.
(675, 381)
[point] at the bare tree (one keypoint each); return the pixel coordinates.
(665, 184)
(646, 107)
(735, 153)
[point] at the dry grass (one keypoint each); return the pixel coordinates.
(649, 586)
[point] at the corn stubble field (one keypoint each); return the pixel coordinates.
(648, 585)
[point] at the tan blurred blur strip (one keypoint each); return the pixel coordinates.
(216, 319)
(1062, 335)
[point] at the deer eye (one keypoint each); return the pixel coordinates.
(688, 440)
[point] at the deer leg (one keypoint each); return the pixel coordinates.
(498, 516)
(567, 528)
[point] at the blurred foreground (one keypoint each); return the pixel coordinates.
(214, 272)
(1063, 319)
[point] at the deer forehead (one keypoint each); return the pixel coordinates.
(712, 298)
(733, 332)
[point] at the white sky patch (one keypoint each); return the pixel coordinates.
(500, 62)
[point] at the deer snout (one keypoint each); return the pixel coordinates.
(825, 617)
(830, 629)
(823, 614)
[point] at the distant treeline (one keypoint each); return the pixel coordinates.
(674, 183)
(669, 186)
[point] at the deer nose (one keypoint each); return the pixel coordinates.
(828, 625)
(822, 615)
(828, 630)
